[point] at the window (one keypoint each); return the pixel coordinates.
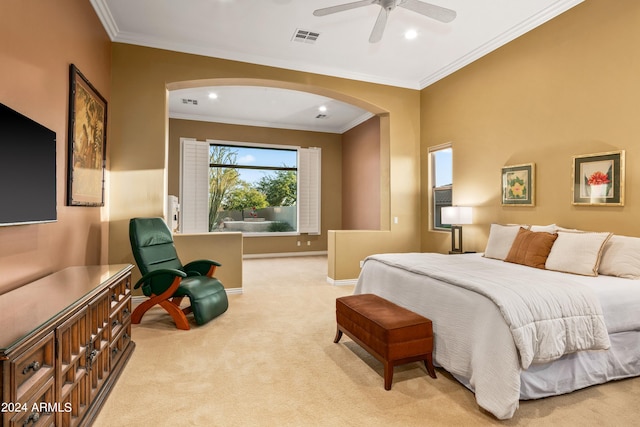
(441, 166)
(252, 188)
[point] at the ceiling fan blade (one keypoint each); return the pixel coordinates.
(342, 7)
(429, 10)
(378, 28)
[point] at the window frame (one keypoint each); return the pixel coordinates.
(433, 225)
(243, 144)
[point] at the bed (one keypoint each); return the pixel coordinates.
(500, 351)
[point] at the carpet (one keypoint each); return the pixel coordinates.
(270, 360)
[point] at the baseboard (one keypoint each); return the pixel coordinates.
(344, 282)
(285, 254)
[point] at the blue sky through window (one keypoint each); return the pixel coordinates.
(443, 167)
(253, 156)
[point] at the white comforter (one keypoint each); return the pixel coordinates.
(548, 316)
(472, 338)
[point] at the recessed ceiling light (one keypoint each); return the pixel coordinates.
(213, 95)
(322, 108)
(410, 34)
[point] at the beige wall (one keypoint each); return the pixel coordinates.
(331, 174)
(38, 44)
(568, 88)
(191, 247)
(361, 176)
(139, 142)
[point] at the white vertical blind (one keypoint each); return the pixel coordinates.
(194, 186)
(309, 163)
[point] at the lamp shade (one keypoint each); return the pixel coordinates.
(456, 215)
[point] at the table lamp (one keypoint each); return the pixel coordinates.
(456, 216)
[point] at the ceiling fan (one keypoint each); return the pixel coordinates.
(429, 10)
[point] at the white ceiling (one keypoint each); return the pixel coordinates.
(262, 32)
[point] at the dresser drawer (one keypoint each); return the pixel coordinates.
(31, 369)
(120, 291)
(120, 317)
(120, 343)
(39, 410)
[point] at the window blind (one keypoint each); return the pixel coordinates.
(309, 164)
(194, 186)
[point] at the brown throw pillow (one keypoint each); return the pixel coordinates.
(531, 248)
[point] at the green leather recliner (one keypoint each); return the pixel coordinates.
(166, 281)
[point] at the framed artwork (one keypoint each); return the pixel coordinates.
(87, 142)
(518, 182)
(598, 179)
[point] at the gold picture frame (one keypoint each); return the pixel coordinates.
(598, 179)
(87, 142)
(518, 185)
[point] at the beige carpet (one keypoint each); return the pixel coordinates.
(270, 360)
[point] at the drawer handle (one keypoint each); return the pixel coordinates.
(114, 297)
(115, 323)
(33, 418)
(125, 336)
(125, 312)
(35, 365)
(114, 351)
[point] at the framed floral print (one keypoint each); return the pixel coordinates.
(87, 142)
(518, 182)
(598, 179)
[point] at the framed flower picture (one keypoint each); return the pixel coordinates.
(518, 184)
(598, 179)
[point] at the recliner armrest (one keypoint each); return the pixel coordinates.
(162, 272)
(201, 267)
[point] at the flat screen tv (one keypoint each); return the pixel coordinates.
(27, 170)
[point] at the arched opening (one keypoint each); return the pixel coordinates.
(355, 161)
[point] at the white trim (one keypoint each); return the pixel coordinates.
(284, 254)
(500, 40)
(343, 282)
(514, 32)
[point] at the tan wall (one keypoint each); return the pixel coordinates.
(192, 247)
(331, 174)
(568, 88)
(139, 140)
(38, 44)
(361, 176)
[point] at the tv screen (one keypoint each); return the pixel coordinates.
(27, 170)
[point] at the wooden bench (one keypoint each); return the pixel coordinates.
(392, 334)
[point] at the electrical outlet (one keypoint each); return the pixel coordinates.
(395, 219)
(298, 243)
(308, 242)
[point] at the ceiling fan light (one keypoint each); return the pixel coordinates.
(410, 34)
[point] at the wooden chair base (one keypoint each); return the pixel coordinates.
(171, 305)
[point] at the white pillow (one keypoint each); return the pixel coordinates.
(501, 239)
(551, 228)
(577, 253)
(621, 257)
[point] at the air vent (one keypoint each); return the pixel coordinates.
(321, 116)
(305, 36)
(189, 101)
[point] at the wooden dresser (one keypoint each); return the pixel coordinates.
(64, 340)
